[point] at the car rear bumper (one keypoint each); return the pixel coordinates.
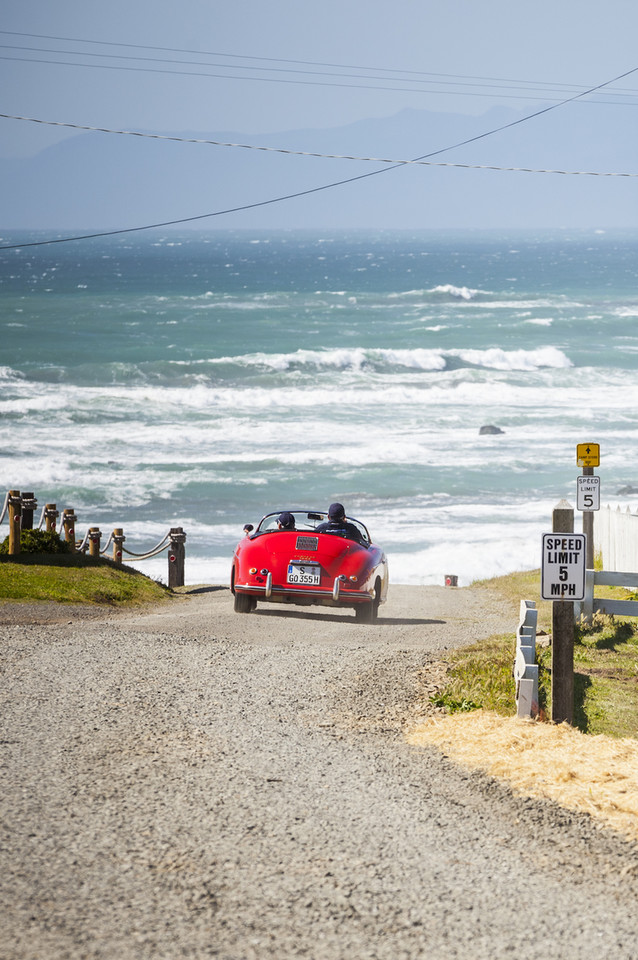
(282, 593)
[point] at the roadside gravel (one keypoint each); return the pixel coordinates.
(188, 782)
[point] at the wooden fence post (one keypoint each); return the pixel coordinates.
(68, 522)
(563, 634)
(29, 506)
(176, 555)
(15, 520)
(95, 535)
(118, 540)
(51, 514)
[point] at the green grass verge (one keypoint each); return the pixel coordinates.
(605, 665)
(75, 579)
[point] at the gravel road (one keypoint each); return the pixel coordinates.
(189, 782)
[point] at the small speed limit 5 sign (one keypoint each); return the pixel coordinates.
(588, 493)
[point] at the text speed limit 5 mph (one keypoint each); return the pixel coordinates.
(563, 566)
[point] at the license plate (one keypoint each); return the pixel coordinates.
(304, 574)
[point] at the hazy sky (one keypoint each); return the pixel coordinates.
(545, 46)
(278, 67)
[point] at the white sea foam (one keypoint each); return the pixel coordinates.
(460, 293)
(445, 289)
(357, 358)
(347, 358)
(540, 303)
(202, 415)
(8, 373)
(499, 359)
(468, 560)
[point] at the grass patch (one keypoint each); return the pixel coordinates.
(39, 541)
(75, 578)
(605, 665)
(480, 676)
(606, 676)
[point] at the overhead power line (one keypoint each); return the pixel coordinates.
(427, 80)
(305, 83)
(313, 63)
(459, 82)
(321, 156)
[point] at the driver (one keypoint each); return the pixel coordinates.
(338, 524)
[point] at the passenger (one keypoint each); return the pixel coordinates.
(286, 521)
(338, 524)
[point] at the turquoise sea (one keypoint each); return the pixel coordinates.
(203, 379)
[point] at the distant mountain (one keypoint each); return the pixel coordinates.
(102, 181)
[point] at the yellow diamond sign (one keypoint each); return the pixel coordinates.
(588, 454)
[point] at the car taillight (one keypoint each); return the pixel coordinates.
(352, 578)
(253, 570)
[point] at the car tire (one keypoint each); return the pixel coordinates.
(366, 612)
(244, 603)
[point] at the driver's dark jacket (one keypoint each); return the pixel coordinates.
(340, 527)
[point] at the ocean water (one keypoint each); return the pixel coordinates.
(201, 380)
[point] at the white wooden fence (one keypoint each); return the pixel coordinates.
(616, 541)
(591, 604)
(616, 538)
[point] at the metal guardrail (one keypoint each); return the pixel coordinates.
(525, 666)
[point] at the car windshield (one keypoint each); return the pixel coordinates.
(308, 520)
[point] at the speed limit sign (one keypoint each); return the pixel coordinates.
(563, 566)
(588, 493)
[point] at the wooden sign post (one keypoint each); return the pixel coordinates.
(561, 555)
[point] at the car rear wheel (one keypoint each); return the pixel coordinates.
(364, 612)
(367, 612)
(244, 603)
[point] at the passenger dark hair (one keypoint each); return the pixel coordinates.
(336, 511)
(286, 520)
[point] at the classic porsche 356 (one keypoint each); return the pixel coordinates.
(299, 564)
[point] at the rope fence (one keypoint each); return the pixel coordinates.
(19, 508)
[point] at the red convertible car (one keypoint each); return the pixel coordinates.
(299, 563)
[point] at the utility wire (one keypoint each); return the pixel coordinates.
(320, 83)
(312, 63)
(307, 153)
(328, 186)
(242, 66)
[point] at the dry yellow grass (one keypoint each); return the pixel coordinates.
(596, 775)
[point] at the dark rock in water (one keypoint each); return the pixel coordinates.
(490, 428)
(628, 491)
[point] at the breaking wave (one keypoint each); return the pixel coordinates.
(384, 360)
